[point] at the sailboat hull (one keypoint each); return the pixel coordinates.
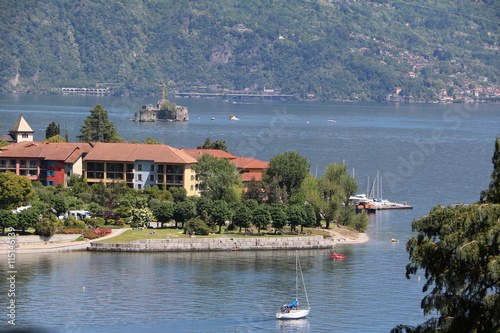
(293, 314)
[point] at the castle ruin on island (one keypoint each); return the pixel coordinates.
(163, 111)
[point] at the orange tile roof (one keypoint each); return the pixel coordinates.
(53, 151)
(249, 176)
(250, 163)
(128, 152)
(214, 152)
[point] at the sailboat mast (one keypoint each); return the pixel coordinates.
(296, 276)
(303, 282)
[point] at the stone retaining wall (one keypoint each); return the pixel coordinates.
(41, 239)
(215, 244)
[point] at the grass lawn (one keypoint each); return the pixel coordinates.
(132, 235)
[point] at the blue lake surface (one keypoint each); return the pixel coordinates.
(427, 154)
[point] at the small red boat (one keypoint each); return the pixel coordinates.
(337, 256)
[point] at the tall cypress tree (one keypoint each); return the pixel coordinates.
(492, 194)
(52, 130)
(98, 128)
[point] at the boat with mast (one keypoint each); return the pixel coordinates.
(292, 311)
(374, 200)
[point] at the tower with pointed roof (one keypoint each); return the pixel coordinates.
(21, 131)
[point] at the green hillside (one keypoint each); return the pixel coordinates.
(347, 50)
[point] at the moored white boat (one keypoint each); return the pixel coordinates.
(293, 314)
(292, 311)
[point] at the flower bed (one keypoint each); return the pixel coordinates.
(96, 233)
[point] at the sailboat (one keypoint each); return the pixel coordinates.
(292, 311)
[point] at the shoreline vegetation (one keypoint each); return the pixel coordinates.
(340, 235)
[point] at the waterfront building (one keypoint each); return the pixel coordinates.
(48, 163)
(138, 165)
(249, 168)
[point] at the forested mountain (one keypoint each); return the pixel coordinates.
(345, 49)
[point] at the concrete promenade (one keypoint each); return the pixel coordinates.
(34, 244)
(216, 244)
(28, 244)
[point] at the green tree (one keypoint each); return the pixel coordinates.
(218, 144)
(150, 141)
(219, 178)
(242, 217)
(196, 226)
(56, 138)
(78, 184)
(27, 218)
(204, 204)
(183, 211)
(492, 194)
(261, 217)
(254, 191)
(47, 226)
(310, 216)
(60, 204)
(336, 186)
(164, 212)
(288, 169)
(14, 190)
(167, 110)
(311, 189)
(52, 130)
(141, 216)
(251, 203)
(98, 128)
(178, 193)
(220, 213)
(279, 215)
(458, 248)
(274, 192)
(296, 216)
(7, 219)
(94, 207)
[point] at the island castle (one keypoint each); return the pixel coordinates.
(164, 110)
(151, 113)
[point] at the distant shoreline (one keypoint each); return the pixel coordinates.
(264, 97)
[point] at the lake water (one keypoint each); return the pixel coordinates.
(427, 154)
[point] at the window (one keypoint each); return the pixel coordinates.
(50, 183)
(151, 178)
(139, 186)
(139, 167)
(93, 166)
(50, 173)
(139, 177)
(25, 135)
(152, 167)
